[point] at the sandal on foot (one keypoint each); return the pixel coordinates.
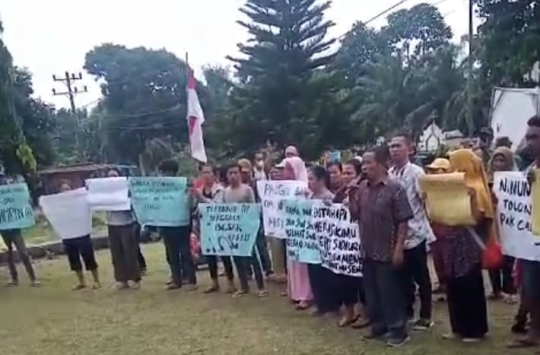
(346, 321)
(303, 305)
(360, 323)
(78, 287)
(239, 294)
(211, 289)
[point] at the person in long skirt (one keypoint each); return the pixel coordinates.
(124, 246)
(298, 285)
(463, 256)
(322, 280)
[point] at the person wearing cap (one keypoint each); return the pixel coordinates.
(14, 237)
(438, 166)
(262, 248)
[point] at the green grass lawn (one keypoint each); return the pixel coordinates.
(53, 320)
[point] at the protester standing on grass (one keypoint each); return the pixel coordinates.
(439, 166)
(81, 248)
(381, 206)
(177, 243)
(238, 192)
(13, 237)
(350, 289)
(124, 245)
(261, 245)
(531, 269)
(415, 267)
(277, 245)
(502, 281)
(322, 280)
(463, 256)
(298, 285)
(212, 192)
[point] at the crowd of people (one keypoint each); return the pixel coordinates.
(382, 190)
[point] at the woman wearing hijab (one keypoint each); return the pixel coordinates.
(299, 288)
(502, 281)
(438, 166)
(463, 256)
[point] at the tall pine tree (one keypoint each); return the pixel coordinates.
(283, 91)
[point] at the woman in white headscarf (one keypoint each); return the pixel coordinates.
(299, 289)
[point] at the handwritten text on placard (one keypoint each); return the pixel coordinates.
(229, 229)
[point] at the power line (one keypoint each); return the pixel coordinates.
(401, 2)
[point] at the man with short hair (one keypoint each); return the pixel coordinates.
(238, 192)
(415, 268)
(177, 243)
(291, 151)
(246, 174)
(531, 269)
(381, 206)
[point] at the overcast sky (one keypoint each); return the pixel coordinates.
(52, 36)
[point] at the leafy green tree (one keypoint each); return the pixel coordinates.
(144, 98)
(509, 38)
(417, 31)
(25, 122)
(279, 70)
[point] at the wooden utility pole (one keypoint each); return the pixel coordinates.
(72, 90)
(470, 82)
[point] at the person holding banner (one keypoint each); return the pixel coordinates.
(531, 268)
(463, 256)
(124, 246)
(262, 246)
(322, 280)
(277, 245)
(350, 289)
(298, 285)
(238, 192)
(502, 281)
(212, 192)
(81, 248)
(14, 237)
(177, 243)
(439, 166)
(382, 208)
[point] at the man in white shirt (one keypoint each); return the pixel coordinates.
(415, 267)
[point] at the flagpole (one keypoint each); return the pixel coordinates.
(187, 80)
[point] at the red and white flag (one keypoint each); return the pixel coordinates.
(195, 117)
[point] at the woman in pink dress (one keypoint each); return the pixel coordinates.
(298, 286)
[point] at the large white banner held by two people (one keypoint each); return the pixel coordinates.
(514, 216)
